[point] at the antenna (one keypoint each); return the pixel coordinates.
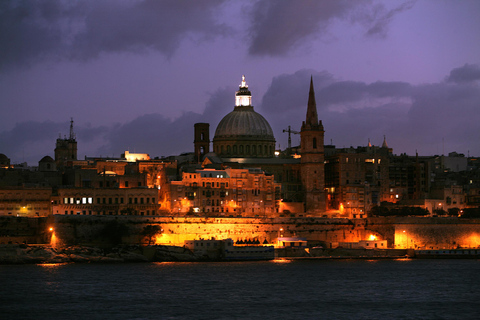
(72, 134)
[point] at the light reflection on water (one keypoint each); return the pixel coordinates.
(278, 289)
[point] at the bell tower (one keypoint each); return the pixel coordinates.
(202, 140)
(66, 149)
(312, 161)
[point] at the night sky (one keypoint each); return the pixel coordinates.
(136, 75)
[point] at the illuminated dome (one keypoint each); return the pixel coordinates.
(244, 132)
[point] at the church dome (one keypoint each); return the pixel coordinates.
(244, 132)
(246, 123)
(47, 159)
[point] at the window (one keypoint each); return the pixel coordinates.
(314, 143)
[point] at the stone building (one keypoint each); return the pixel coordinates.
(356, 180)
(25, 201)
(106, 201)
(228, 192)
(66, 149)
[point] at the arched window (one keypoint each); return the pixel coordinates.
(314, 143)
(228, 149)
(221, 150)
(247, 149)
(234, 149)
(266, 149)
(241, 149)
(254, 150)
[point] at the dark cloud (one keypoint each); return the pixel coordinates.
(159, 136)
(143, 25)
(29, 30)
(379, 18)
(412, 117)
(33, 30)
(290, 91)
(30, 141)
(278, 26)
(151, 133)
(467, 73)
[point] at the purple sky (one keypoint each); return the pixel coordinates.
(136, 75)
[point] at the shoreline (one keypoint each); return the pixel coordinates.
(15, 254)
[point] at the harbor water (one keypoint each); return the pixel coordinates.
(279, 289)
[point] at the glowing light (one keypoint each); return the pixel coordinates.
(281, 261)
(372, 237)
(341, 208)
(52, 265)
(53, 240)
(50, 229)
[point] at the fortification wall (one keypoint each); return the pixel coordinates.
(427, 233)
(81, 230)
(401, 233)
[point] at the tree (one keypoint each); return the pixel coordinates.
(150, 231)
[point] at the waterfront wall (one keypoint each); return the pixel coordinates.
(427, 232)
(82, 230)
(400, 233)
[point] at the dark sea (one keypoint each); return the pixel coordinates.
(313, 289)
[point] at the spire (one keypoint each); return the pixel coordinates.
(384, 144)
(369, 144)
(312, 116)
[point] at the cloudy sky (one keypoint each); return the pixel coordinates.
(136, 75)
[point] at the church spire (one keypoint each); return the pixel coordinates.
(384, 144)
(312, 116)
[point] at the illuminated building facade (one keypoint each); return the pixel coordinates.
(25, 202)
(229, 192)
(105, 201)
(356, 180)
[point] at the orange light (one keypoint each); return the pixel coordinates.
(372, 237)
(50, 229)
